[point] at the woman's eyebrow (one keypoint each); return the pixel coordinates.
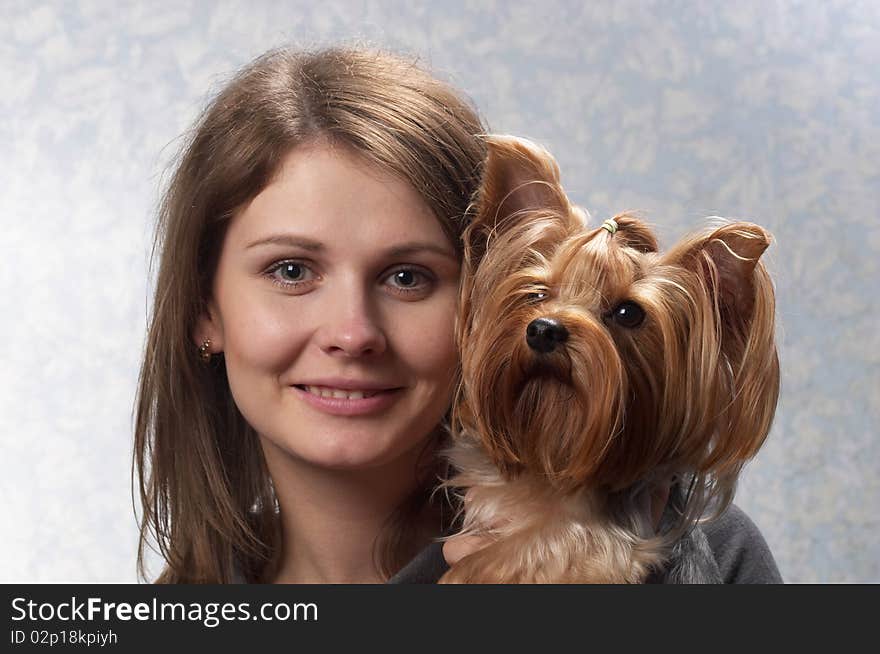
(288, 239)
(413, 247)
(400, 249)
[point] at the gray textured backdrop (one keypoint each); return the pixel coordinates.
(762, 110)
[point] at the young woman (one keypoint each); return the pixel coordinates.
(300, 359)
(300, 356)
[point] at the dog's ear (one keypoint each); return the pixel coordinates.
(520, 182)
(727, 257)
(740, 303)
(518, 175)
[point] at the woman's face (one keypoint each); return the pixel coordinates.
(333, 302)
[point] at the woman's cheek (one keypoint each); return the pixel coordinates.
(431, 341)
(267, 335)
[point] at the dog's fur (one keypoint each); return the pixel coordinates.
(562, 436)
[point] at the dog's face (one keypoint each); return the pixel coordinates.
(588, 357)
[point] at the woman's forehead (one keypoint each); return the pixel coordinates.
(329, 195)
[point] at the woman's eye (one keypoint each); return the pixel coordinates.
(290, 273)
(409, 280)
(628, 314)
(405, 278)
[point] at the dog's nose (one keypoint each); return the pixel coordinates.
(544, 334)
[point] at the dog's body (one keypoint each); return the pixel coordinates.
(595, 371)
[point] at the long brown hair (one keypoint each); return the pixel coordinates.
(205, 491)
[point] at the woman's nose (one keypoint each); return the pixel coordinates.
(351, 329)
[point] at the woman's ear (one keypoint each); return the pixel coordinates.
(209, 327)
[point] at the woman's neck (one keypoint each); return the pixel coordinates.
(330, 519)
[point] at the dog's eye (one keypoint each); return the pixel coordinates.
(538, 296)
(628, 314)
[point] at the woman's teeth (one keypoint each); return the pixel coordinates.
(323, 391)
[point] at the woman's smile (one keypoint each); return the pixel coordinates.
(341, 402)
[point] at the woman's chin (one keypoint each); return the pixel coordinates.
(344, 452)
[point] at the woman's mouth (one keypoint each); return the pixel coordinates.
(345, 402)
(324, 391)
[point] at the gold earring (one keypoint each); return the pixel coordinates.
(204, 351)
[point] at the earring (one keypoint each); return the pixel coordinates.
(204, 351)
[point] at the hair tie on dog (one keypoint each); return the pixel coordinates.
(610, 225)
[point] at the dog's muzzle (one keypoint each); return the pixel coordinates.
(544, 334)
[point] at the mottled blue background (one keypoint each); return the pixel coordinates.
(768, 111)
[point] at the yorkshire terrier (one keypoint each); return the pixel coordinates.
(597, 372)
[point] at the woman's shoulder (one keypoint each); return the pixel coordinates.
(728, 549)
(739, 549)
(426, 568)
(735, 551)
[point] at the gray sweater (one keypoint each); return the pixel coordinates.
(737, 554)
